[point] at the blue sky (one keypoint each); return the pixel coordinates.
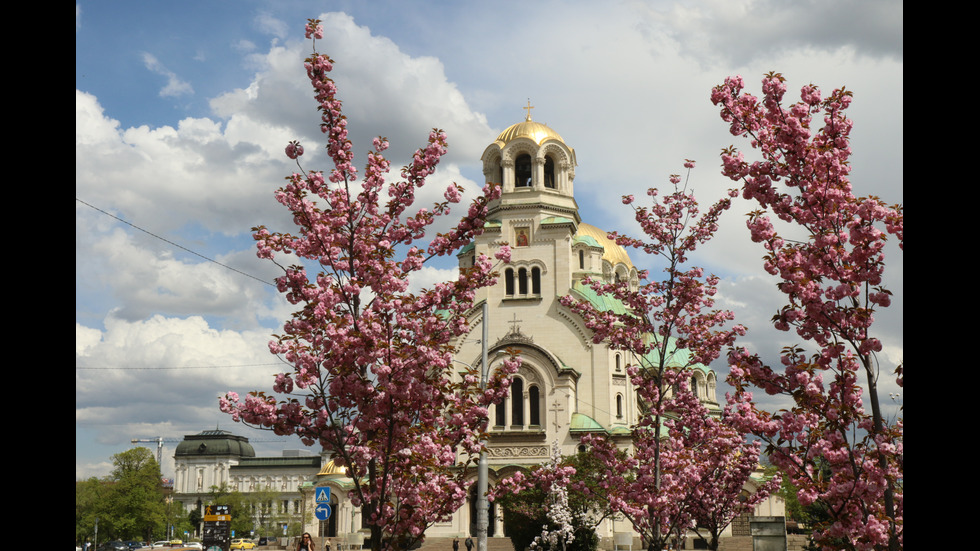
(183, 109)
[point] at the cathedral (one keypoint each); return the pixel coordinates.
(567, 385)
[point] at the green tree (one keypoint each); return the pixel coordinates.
(129, 503)
(266, 504)
(182, 521)
(91, 497)
(138, 501)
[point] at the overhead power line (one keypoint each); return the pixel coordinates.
(172, 243)
(130, 368)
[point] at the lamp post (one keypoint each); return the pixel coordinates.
(482, 507)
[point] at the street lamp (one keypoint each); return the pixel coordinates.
(482, 507)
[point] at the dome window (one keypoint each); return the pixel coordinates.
(522, 171)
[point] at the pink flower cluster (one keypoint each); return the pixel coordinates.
(832, 281)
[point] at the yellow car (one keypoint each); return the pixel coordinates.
(242, 544)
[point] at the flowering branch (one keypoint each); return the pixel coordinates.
(832, 281)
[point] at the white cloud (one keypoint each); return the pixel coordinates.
(175, 86)
(274, 26)
(740, 32)
(138, 373)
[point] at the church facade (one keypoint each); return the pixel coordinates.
(567, 385)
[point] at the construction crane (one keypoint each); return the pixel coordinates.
(159, 440)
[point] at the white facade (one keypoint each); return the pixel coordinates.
(216, 459)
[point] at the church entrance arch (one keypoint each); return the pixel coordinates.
(491, 514)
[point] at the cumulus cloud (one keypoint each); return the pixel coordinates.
(164, 178)
(720, 32)
(385, 93)
(160, 376)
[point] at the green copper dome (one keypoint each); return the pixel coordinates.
(214, 442)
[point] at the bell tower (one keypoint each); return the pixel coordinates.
(536, 169)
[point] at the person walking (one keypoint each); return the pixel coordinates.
(455, 544)
(469, 544)
(305, 543)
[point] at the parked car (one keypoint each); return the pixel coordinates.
(242, 544)
(132, 544)
(195, 545)
(113, 546)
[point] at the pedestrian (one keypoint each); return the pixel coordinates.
(455, 544)
(469, 544)
(305, 543)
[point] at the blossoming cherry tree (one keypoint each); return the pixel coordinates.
(371, 376)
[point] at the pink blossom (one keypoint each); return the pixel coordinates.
(360, 368)
(294, 149)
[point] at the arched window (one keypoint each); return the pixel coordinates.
(581, 259)
(549, 173)
(522, 281)
(509, 281)
(501, 413)
(522, 171)
(619, 366)
(619, 406)
(694, 386)
(536, 281)
(534, 406)
(517, 402)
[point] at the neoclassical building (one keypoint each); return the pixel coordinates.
(219, 459)
(567, 385)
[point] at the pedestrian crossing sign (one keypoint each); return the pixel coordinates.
(323, 494)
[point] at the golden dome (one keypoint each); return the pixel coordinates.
(528, 129)
(614, 254)
(331, 468)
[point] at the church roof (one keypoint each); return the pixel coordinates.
(331, 468)
(583, 423)
(614, 254)
(602, 303)
(535, 131)
(215, 442)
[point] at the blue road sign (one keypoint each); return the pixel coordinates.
(323, 494)
(322, 511)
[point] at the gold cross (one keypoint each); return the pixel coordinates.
(528, 109)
